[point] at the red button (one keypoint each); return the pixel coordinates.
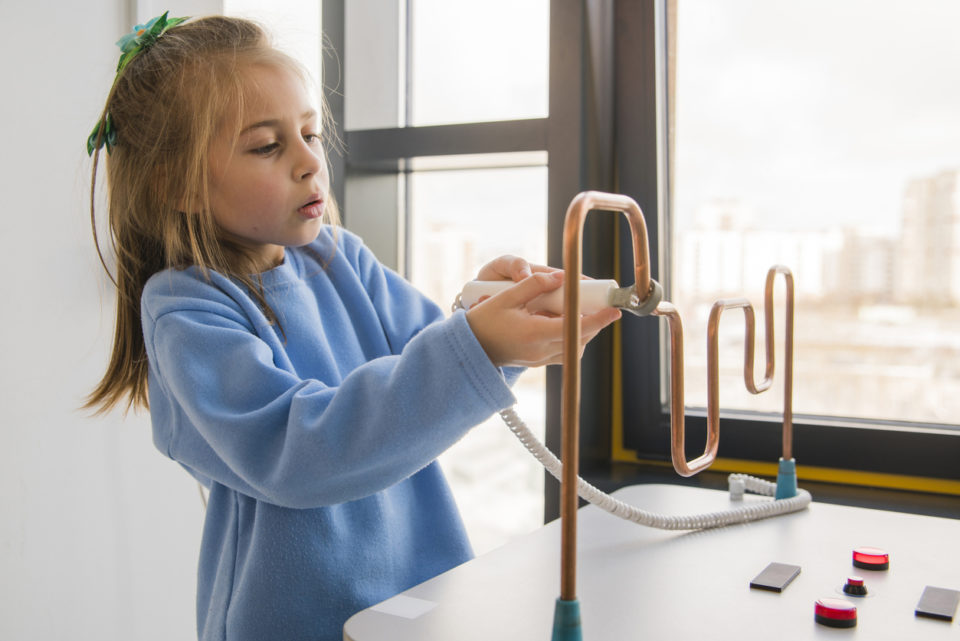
(835, 613)
(867, 558)
(855, 586)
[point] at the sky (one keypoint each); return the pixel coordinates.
(815, 113)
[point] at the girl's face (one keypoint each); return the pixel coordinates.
(269, 185)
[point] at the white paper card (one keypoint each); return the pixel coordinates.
(407, 607)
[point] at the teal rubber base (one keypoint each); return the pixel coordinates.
(566, 621)
(787, 479)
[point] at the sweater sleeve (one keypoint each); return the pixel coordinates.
(223, 406)
(389, 292)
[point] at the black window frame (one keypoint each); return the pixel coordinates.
(608, 129)
(842, 455)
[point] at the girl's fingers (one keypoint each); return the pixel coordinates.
(509, 267)
(592, 324)
(505, 268)
(544, 268)
(531, 287)
(552, 351)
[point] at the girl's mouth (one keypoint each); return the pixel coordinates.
(313, 209)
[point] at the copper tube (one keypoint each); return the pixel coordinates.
(682, 466)
(787, 349)
(713, 376)
(570, 410)
(713, 359)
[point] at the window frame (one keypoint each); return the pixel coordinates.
(848, 451)
(609, 129)
(577, 161)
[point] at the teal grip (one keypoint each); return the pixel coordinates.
(787, 479)
(566, 621)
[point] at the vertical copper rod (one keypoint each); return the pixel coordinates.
(570, 409)
(787, 349)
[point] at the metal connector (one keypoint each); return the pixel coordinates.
(627, 299)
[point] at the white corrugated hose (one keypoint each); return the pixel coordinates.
(737, 482)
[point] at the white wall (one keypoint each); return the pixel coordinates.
(99, 533)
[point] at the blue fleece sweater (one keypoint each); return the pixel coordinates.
(317, 438)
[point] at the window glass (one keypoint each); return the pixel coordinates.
(459, 220)
(478, 61)
(824, 136)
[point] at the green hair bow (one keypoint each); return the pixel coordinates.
(141, 38)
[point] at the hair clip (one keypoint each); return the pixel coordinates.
(97, 139)
(142, 37)
(139, 39)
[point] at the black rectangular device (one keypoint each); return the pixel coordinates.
(775, 577)
(938, 603)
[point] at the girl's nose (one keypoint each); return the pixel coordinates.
(309, 162)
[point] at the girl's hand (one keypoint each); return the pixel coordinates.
(509, 333)
(511, 268)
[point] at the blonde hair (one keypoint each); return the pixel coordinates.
(166, 105)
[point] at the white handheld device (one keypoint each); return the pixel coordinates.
(594, 295)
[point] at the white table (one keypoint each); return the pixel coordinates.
(639, 583)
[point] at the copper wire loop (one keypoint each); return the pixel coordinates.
(570, 410)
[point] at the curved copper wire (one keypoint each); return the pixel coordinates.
(713, 375)
(682, 466)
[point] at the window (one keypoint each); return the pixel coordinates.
(829, 145)
(672, 102)
(825, 144)
(446, 168)
(459, 219)
(476, 62)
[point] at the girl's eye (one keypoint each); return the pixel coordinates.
(265, 150)
(311, 138)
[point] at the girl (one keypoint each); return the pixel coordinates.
(307, 386)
